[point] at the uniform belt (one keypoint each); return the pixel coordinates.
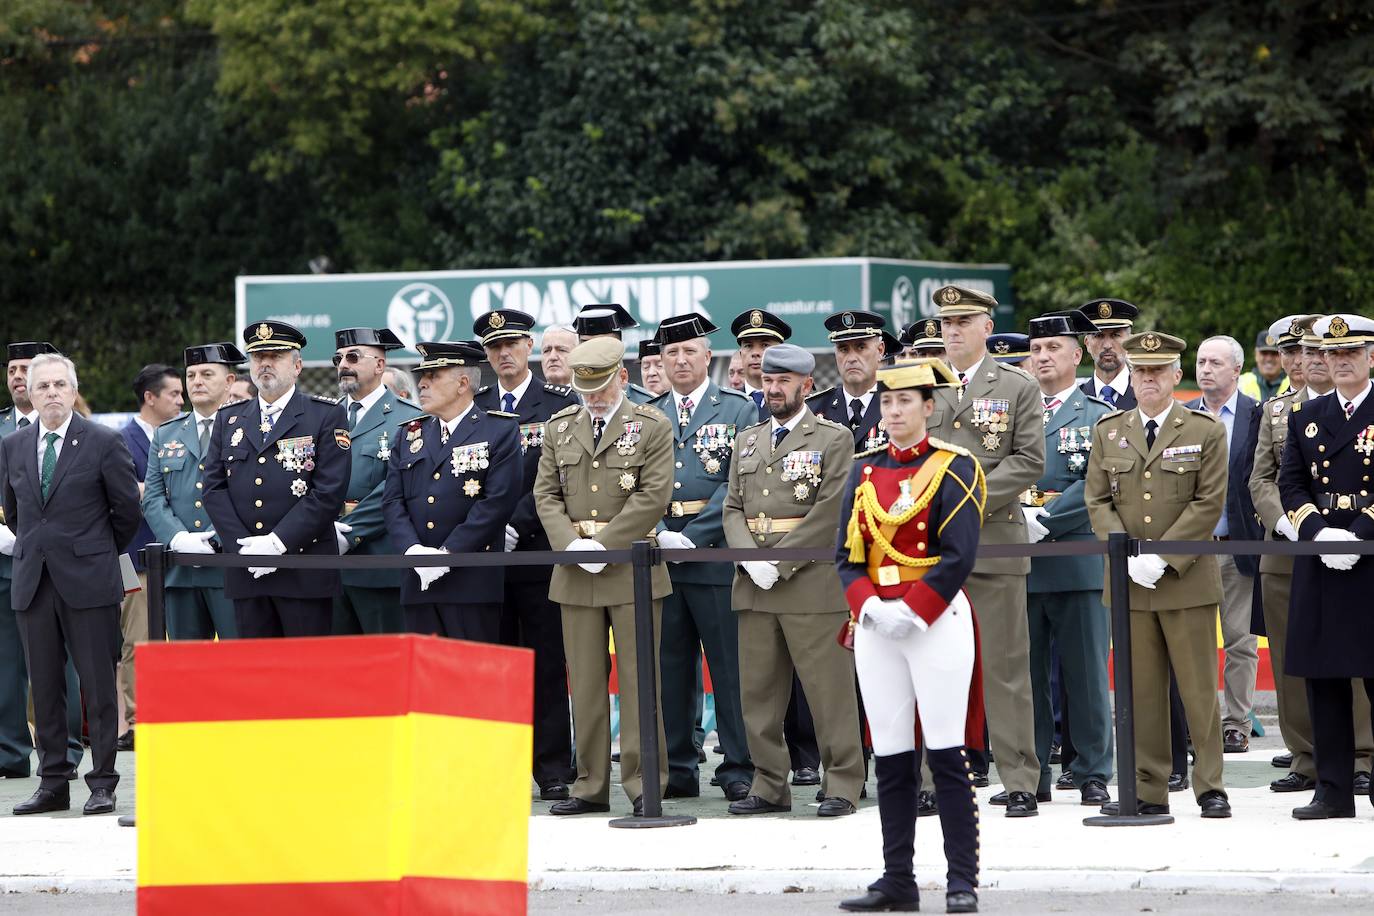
(765, 525)
(679, 508)
(894, 575)
(349, 506)
(590, 527)
(1354, 501)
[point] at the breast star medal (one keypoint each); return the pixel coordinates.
(416, 445)
(712, 466)
(298, 488)
(264, 427)
(627, 481)
(471, 488)
(992, 442)
(800, 492)
(237, 437)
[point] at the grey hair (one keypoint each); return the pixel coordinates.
(559, 327)
(47, 359)
(473, 375)
(1237, 351)
(404, 380)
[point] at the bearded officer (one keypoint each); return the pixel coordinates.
(755, 331)
(1158, 473)
(996, 413)
(610, 319)
(1324, 481)
(174, 498)
(370, 602)
(787, 482)
(528, 617)
(275, 478)
(605, 474)
(1111, 378)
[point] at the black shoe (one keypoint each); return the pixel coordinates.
(1065, 781)
(1282, 761)
(755, 805)
(1055, 753)
(715, 782)
(1094, 792)
(878, 902)
(1361, 783)
(554, 791)
(1022, 804)
(806, 776)
(1001, 797)
(701, 756)
(13, 774)
(102, 801)
(737, 791)
(1293, 782)
(44, 801)
(127, 820)
(675, 792)
(834, 806)
(1321, 811)
(718, 751)
(926, 805)
(1113, 809)
(980, 779)
(578, 806)
(1214, 804)
(126, 741)
(637, 806)
(615, 758)
(1234, 741)
(961, 902)
(1178, 782)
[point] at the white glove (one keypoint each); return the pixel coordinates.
(891, 619)
(340, 534)
(1036, 530)
(512, 538)
(674, 540)
(262, 545)
(187, 542)
(6, 540)
(588, 544)
(1337, 561)
(428, 574)
(1285, 528)
(764, 572)
(1146, 569)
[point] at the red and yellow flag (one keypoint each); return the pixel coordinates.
(381, 774)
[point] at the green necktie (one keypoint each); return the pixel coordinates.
(353, 410)
(49, 463)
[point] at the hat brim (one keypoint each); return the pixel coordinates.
(751, 333)
(963, 308)
(1350, 342)
(1153, 359)
(1112, 324)
(268, 346)
(593, 383)
(509, 334)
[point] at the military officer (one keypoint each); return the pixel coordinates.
(452, 484)
(922, 338)
(1324, 484)
(1300, 350)
(1010, 349)
(651, 367)
(370, 602)
(1111, 378)
(174, 498)
(610, 320)
(787, 482)
(528, 617)
(275, 478)
(1158, 472)
(861, 342)
(1064, 604)
(16, 741)
(755, 331)
(993, 413)
(605, 474)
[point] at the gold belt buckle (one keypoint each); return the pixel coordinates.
(764, 525)
(586, 529)
(889, 575)
(675, 509)
(1343, 501)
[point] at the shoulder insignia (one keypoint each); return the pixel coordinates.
(822, 421)
(557, 389)
(566, 411)
(1199, 412)
(484, 389)
(1096, 400)
(737, 394)
(1297, 406)
(950, 447)
(502, 413)
(649, 410)
(177, 419)
(321, 399)
(238, 403)
(1108, 416)
(401, 400)
(1017, 370)
(820, 394)
(873, 451)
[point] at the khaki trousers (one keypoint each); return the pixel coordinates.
(1240, 645)
(1185, 638)
(585, 642)
(999, 603)
(771, 648)
(133, 625)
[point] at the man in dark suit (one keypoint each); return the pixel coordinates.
(1219, 361)
(862, 342)
(528, 617)
(1111, 378)
(70, 496)
(276, 474)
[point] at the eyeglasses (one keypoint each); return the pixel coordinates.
(352, 357)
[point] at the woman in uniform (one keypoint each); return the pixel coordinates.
(908, 536)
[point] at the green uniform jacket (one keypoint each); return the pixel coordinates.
(803, 478)
(372, 441)
(1173, 492)
(1264, 480)
(626, 485)
(173, 496)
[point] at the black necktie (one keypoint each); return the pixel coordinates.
(856, 413)
(598, 425)
(778, 435)
(23, 421)
(1150, 428)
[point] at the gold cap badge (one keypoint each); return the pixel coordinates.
(264, 332)
(756, 319)
(1338, 327)
(1104, 310)
(497, 321)
(1150, 343)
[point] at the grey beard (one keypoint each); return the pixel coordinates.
(348, 386)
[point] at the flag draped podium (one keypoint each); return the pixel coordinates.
(353, 775)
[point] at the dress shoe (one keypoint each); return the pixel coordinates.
(1293, 782)
(682, 792)
(637, 806)
(961, 902)
(578, 806)
(1065, 780)
(1234, 741)
(701, 756)
(13, 774)
(718, 751)
(615, 758)
(554, 791)
(1321, 811)
(1282, 761)
(755, 805)
(1214, 804)
(1022, 804)
(1178, 782)
(980, 779)
(878, 902)
(737, 791)
(45, 800)
(127, 820)
(102, 801)
(1113, 809)
(834, 806)
(1361, 783)
(1094, 792)
(806, 776)
(926, 806)
(126, 741)
(1055, 753)
(1002, 797)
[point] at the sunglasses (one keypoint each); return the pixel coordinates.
(352, 357)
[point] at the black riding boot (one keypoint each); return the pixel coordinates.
(958, 816)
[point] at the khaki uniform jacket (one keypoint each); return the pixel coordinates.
(1173, 492)
(1012, 458)
(758, 487)
(579, 481)
(1264, 480)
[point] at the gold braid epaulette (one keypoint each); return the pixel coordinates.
(866, 504)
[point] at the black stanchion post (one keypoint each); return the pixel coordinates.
(642, 558)
(1120, 546)
(155, 559)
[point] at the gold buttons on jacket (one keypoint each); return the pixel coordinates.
(596, 464)
(594, 513)
(679, 464)
(1147, 475)
(956, 424)
(765, 492)
(429, 524)
(595, 488)
(1148, 520)
(197, 523)
(430, 499)
(436, 475)
(1147, 495)
(199, 485)
(262, 459)
(257, 482)
(920, 526)
(197, 504)
(256, 502)
(258, 526)
(677, 485)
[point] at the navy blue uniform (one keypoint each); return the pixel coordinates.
(833, 404)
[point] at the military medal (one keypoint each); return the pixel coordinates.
(627, 481)
(992, 442)
(1311, 430)
(800, 492)
(383, 447)
(563, 427)
(233, 419)
(713, 444)
(1111, 434)
(712, 466)
(467, 458)
(531, 436)
(904, 499)
(1364, 442)
(626, 442)
(264, 427)
(298, 488)
(416, 445)
(296, 453)
(471, 488)
(237, 437)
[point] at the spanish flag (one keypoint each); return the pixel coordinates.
(380, 774)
